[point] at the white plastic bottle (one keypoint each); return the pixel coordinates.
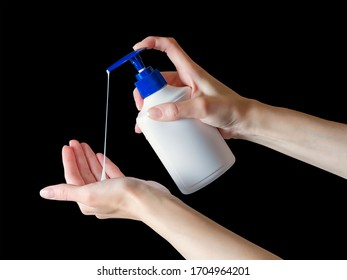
(194, 153)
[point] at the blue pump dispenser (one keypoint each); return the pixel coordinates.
(148, 80)
(194, 153)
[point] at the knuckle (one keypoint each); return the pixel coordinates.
(173, 111)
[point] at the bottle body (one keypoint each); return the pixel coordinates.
(194, 153)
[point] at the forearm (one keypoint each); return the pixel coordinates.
(316, 141)
(194, 235)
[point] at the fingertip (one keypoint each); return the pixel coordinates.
(137, 45)
(100, 157)
(155, 113)
(85, 145)
(73, 142)
(137, 129)
(47, 193)
(64, 148)
(67, 151)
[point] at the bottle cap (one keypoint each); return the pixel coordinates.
(148, 80)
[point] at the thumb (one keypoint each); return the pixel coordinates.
(64, 192)
(176, 110)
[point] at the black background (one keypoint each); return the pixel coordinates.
(53, 89)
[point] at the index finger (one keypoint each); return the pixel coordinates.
(170, 46)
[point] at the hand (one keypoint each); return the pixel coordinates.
(211, 101)
(191, 233)
(105, 199)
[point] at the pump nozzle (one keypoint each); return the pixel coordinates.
(148, 80)
(134, 58)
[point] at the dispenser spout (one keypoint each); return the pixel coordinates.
(134, 58)
(148, 80)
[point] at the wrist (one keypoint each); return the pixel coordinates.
(265, 124)
(248, 114)
(144, 198)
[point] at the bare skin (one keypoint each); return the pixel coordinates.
(194, 235)
(316, 141)
(313, 140)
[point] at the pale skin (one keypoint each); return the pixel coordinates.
(313, 140)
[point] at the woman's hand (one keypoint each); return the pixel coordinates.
(191, 233)
(211, 101)
(112, 198)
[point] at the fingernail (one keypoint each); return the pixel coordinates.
(155, 113)
(47, 193)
